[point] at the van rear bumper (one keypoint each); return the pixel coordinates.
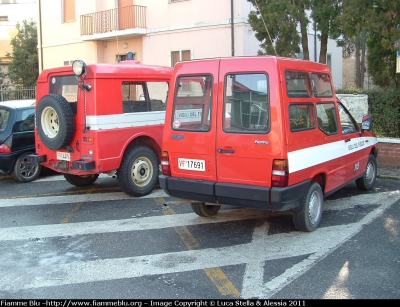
(273, 199)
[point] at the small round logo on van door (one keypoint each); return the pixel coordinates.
(177, 123)
(53, 80)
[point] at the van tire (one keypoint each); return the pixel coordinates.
(55, 121)
(81, 180)
(367, 181)
(138, 173)
(25, 171)
(204, 210)
(308, 218)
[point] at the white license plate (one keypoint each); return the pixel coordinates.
(65, 156)
(192, 165)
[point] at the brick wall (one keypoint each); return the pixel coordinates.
(389, 152)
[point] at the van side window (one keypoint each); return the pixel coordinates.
(302, 116)
(192, 103)
(327, 121)
(246, 103)
(322, 86)
(347, 122)
(297, 83)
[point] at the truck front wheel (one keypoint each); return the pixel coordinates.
(202, 209)
(138, 173)
(81, 181)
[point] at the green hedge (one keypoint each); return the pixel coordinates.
(384, 106)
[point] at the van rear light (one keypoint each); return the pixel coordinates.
(166, 170)
(4, 148)
(280, 173)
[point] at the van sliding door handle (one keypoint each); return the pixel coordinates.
(347, 140)
(225, 150)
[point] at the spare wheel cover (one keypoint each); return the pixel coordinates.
(55, 121)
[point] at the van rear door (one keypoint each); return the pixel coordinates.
(190, 137)
(244, 146)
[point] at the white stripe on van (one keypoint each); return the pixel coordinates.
(311, 156)
(126, 120)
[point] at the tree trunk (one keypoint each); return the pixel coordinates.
(324, 48)
(362, 62)
(304, 35)
(357, 55)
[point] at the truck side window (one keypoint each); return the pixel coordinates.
(297, 83)
(322, 85)
(144, 96)
(192, 103)
(347, 122)
(246, 103)
(327, 121)
(302, 116)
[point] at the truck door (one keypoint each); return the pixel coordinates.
(243, 143)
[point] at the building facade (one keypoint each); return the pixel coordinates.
(159, 32)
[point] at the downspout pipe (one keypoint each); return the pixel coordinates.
(232, 31)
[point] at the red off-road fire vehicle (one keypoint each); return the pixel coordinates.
(102, 118)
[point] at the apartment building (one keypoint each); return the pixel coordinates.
(11, 13)
(159, 32)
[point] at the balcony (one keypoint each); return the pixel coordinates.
(128, 21)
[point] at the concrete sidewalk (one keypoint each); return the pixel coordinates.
(389, 172)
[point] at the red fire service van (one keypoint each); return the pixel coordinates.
(102, 118)
(262, 132)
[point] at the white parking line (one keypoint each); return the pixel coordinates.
(58, 200)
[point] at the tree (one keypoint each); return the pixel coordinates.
(383, 41)
(279, 34)
(325, 14)
(23, 70)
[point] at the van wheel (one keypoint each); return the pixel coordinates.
(202, 209)
(367, 181)
(55, 121)
(138, 173)
(81, 181)
(309, 217)
(25, 171)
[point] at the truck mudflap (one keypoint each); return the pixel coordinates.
(289, 198)
(250, 196)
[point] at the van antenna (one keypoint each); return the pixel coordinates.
(262, 18)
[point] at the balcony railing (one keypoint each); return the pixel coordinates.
(122, 18)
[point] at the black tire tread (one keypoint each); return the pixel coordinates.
(81, 181)
(204, 210)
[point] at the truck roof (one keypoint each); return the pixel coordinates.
(125, 69)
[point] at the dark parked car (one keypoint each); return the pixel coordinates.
(17, 140)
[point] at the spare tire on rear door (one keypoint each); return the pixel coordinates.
(55, 121)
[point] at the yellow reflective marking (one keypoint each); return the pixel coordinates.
(217, 276)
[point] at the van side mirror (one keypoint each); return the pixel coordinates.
(366, 122)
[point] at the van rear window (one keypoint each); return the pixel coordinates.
(192, 103)
(246, 103)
